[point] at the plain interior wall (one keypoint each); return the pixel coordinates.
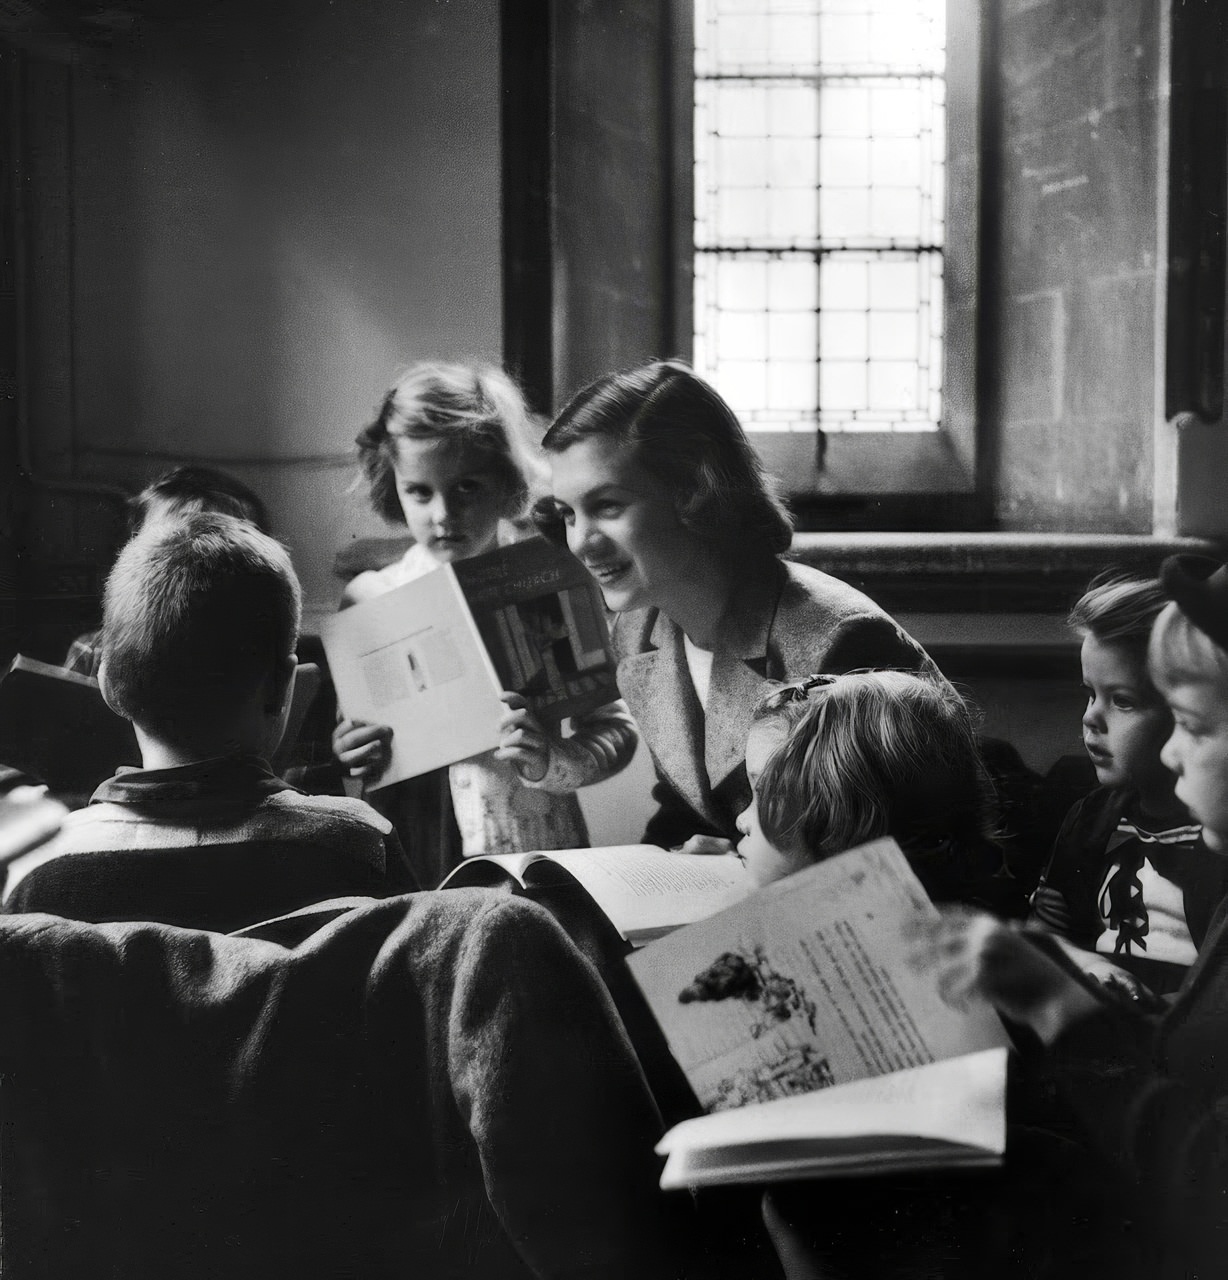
(269, 210)
(1070, 262)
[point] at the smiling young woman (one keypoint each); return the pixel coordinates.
(657, 490)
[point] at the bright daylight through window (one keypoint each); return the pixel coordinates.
(820, 211)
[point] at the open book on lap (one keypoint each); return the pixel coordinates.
(644, 892)
(803, 987)
(946, 1115)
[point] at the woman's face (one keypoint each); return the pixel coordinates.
(623, 526)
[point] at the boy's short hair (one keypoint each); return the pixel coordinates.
(197, 613)
(1119, 608)
(184, 490)
(871, 754)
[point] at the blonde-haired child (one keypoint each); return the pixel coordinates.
(834, 761)
(1148, 1087)
(451, 455)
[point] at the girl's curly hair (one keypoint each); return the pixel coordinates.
(870, 754)
(477, 406)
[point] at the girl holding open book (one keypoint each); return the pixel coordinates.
(450, 455)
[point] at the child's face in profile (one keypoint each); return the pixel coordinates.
(1197, 752)
(763, 860)
(1126, 721)
(450, 497)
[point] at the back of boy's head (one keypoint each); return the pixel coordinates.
(185, 490)
(1189, 643)
(475, 406)
(1119, 609)
(871, 754)
(198, 613)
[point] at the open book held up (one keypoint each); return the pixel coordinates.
(798, 1007)
(431, 657)
(643, 891)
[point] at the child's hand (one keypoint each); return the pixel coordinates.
(522, 740)
(365, 749)
(976, 956)
(1102, 970)
(711, 845)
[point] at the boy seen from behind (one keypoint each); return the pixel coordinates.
(200, 622)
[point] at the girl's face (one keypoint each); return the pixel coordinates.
(451, 496)
(763, 860)
(1126, 722)
(622, 525)
(1197, 752)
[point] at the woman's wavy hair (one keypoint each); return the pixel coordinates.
(681, 430)
(477, 406)
(871, 754)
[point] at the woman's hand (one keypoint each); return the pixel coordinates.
(710, 845)
(365, 749)
(522, 740)
(976, 956)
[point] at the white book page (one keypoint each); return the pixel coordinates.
(646, 891)
(412, 659)
(959, 1100)
(805, 985)
(515, 864)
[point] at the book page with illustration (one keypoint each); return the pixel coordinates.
(806, 985)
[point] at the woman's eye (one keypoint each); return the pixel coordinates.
(1124, 704)
(418, 492)
(609, 509)
(467, 487)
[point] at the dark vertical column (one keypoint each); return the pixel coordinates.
(526, 64)
(1198, 209)
(13, 532)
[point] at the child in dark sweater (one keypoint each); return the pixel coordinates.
(200, 620)
(1129, 880)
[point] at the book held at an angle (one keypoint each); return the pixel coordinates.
(55, 726)
(644, 892)
(798, 1007)
(431, 657)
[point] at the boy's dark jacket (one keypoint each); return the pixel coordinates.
(1081, 857)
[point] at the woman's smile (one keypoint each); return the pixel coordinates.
(623, 526)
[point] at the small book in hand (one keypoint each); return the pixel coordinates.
(432, 657)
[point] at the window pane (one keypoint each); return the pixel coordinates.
(819, 173)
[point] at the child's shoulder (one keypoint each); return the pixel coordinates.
(338, 812)
(375, 582)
